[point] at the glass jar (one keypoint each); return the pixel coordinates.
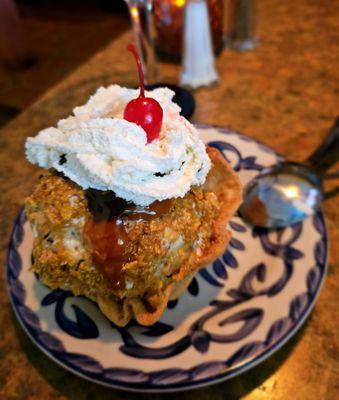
(168, 21)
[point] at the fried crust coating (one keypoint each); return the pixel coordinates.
(163, 253)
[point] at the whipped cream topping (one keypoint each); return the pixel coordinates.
(97, 148)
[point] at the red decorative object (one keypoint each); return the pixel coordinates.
(144, 111)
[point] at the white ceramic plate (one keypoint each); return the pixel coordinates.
(234, 314)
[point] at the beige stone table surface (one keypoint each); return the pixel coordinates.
(286, 94)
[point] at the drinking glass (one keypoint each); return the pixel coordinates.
(141, 14)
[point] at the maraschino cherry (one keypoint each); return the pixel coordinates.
(144, 111)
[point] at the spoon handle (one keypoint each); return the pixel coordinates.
(331, 193)
(330, 175)
(328, 151)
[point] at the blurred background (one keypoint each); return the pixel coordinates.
(60, 35)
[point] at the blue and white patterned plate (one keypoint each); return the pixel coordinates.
(234, 314)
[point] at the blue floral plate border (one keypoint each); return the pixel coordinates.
(199, 337)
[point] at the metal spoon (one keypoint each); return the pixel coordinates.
(288, 192)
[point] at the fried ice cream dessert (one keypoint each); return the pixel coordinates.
(121, 220)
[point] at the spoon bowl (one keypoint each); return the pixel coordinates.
(288, 192)
(281, 195)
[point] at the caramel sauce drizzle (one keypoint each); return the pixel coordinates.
(106, 231)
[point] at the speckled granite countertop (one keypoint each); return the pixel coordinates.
(286, 94)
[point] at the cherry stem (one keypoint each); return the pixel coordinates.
(131, 47)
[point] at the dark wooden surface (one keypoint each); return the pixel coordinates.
(285, 93)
